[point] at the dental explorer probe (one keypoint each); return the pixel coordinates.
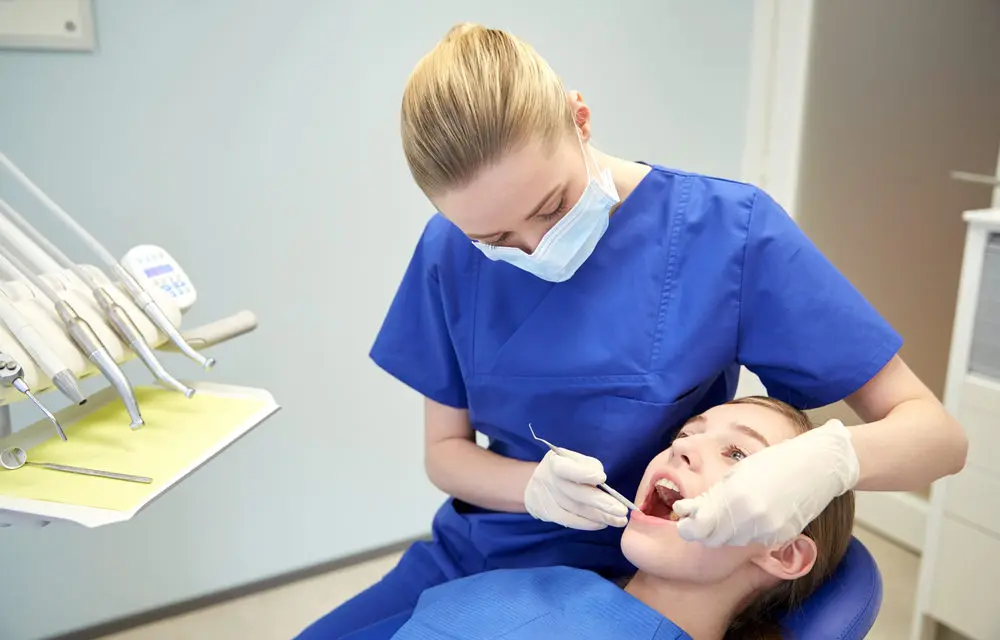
(12, 375)
(117, 317)
(120, 273)
(82, 334)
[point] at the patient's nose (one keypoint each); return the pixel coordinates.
(684, 452)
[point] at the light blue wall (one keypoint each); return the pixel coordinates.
(257, 141)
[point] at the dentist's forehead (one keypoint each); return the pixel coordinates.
(502, 195)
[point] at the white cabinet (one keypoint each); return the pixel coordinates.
(961, 555)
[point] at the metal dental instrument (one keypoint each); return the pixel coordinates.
(82, 334)
(604, 485)
(12, 375)
(117, 317)
(129, 283)
(43, 355)
(15, 458)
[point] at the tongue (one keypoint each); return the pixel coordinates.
(667, 499)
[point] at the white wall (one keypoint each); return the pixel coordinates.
(257, 141)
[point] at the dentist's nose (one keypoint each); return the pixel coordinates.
(529, 241)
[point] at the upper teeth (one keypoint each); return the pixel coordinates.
(663, 482)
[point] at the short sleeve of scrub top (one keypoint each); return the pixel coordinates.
(414, 344)
(804, 330)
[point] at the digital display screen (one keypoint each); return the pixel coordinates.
(158, 270)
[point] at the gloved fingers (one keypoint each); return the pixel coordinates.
(604, 518)
(687, 507)
(574, 521)
(577, 497)
(725, 525)
(701, 524)
(743, 538)
(576, 467)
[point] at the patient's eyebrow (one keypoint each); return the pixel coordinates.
(753, 433)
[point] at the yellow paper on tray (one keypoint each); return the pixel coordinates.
(178, 432)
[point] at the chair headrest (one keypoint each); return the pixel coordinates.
(845, 607)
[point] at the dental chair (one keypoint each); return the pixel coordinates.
(845, 607)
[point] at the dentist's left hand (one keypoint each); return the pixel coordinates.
(563, 490)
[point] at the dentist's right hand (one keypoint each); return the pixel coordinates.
(563, 490)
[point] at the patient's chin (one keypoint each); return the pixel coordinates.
(666, 555)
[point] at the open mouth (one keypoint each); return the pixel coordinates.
(660, 500)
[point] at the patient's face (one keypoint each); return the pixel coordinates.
(705, 449)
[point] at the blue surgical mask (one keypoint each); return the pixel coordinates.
(569, 243)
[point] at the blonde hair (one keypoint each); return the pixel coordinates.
(831, 531)
(479, 94)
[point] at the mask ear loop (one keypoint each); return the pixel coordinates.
(586, 156)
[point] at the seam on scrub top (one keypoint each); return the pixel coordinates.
(475, 315)
(676, 217)
(524, 624)
(743, 271)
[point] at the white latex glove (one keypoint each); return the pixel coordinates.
(770, 496)
(563, 490)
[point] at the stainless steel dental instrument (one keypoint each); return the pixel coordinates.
(12, 375)
(45, 357)
(15, 458)
(81, 332)
(128, 282)
(604, 486)
(117, 317)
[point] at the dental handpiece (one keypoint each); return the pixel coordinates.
(158, 315)
(39, 350)
(117, 317)
(124, 278)
(12, 375)
(130, 334)
(83, 336)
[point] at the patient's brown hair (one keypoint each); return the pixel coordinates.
(831, 531)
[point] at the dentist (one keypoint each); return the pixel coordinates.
(606, 302)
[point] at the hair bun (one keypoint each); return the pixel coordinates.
(460, 30)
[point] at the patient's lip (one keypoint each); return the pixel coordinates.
(642, 518)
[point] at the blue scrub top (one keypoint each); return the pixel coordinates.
(534, 604)
(694, 277)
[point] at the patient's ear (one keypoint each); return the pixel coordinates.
(789, 561)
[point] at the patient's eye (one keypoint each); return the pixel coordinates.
(734, 453)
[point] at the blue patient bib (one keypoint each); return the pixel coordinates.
(535, 604)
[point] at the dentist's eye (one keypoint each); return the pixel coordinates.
(734, 453)
(497, 242)
(680, 435)
(553, 214)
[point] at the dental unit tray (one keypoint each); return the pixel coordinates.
(181, 436)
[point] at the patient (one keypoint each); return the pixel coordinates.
(682, 590)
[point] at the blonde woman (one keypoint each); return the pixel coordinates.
(605, 302)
